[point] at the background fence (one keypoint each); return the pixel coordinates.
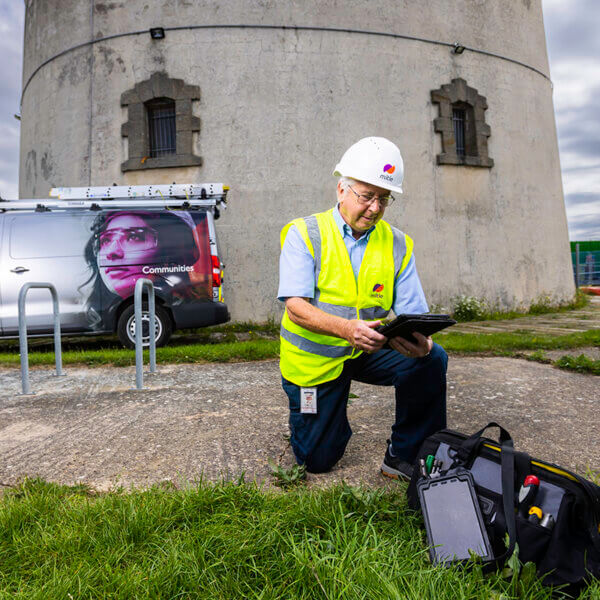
(586, 262)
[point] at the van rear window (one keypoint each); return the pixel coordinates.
(46, 235)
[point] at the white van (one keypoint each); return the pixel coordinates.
(93, 244)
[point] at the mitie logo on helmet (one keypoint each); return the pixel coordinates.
(389, 169)
(377, 289)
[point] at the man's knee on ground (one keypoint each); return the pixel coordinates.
(321, 462)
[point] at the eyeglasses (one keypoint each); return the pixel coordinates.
(130, 238)
(366, 199)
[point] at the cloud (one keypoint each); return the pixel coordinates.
(585, 181)
(575, 82)
(572, 29)
(573, 48)
(585, 199)
(583, 212)
(12, 15)
(582, 149)
(578, 118)
(584, 227)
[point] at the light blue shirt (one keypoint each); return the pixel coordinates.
(297, 270)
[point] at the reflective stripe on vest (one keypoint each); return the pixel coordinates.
(372, 313)
(314, 347)
(308, 358)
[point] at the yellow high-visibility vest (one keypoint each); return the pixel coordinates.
(308, 358)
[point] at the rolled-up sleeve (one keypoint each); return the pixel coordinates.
(296, 268)
(409, 297)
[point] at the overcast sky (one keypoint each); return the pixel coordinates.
(572, 31)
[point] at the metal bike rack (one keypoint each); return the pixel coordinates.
(23, 333)
(139, 354)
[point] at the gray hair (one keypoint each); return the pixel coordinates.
(346, 182)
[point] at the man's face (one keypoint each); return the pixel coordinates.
(360, 216)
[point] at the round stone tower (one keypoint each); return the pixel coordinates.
(265, 96)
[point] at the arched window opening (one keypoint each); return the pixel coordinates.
(160, 124)
(461, 123)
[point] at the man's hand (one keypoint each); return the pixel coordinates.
(422, 348)
(362, 335)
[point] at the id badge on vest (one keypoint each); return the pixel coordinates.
(308, 400)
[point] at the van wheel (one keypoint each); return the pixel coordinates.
(126, 326)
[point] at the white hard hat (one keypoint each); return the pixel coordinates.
(373, 160)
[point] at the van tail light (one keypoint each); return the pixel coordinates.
(216, 271)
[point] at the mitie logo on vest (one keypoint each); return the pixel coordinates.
(377, 289)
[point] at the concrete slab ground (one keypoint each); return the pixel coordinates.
(216, 420)
(560, 323)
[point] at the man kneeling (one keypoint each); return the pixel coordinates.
(341, 272)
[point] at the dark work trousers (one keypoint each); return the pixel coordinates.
(319, 440)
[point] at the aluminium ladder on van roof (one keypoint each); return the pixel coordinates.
(132, 196)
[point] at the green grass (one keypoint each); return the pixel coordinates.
(514, 343)
(209, 344)
(470, 308)
(502, 343)
(191, 353)
(224, 541)
(580, 363)
(271, 327)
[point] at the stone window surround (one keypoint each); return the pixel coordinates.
(136, 129)
(459, 93)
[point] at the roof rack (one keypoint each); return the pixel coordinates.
(181, 190)
(133, 196)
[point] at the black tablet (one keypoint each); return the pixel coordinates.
(453, 519)
(405, 325)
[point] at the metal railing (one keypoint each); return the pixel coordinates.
(586, 266)
(139, 353)
(23, 333)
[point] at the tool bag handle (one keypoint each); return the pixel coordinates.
(507, 464)
(469, 447)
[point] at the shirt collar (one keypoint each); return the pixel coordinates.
(345, 229)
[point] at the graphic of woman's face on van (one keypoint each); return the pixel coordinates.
(125, 246)
(158, 245)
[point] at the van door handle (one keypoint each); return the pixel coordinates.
(19, 270)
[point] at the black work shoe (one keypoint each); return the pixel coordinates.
(395, 467)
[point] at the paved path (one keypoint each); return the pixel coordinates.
(220, 420)
(553, 323)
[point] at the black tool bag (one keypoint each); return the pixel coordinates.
(566, 554)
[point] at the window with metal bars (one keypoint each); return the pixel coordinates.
(162, 127)
(461, 123)
(458, 121)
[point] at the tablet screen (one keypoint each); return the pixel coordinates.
(454, 525)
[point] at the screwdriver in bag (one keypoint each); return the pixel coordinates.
(527, 494)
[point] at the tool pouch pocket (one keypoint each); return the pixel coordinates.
(566, 551)
(533, 540)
